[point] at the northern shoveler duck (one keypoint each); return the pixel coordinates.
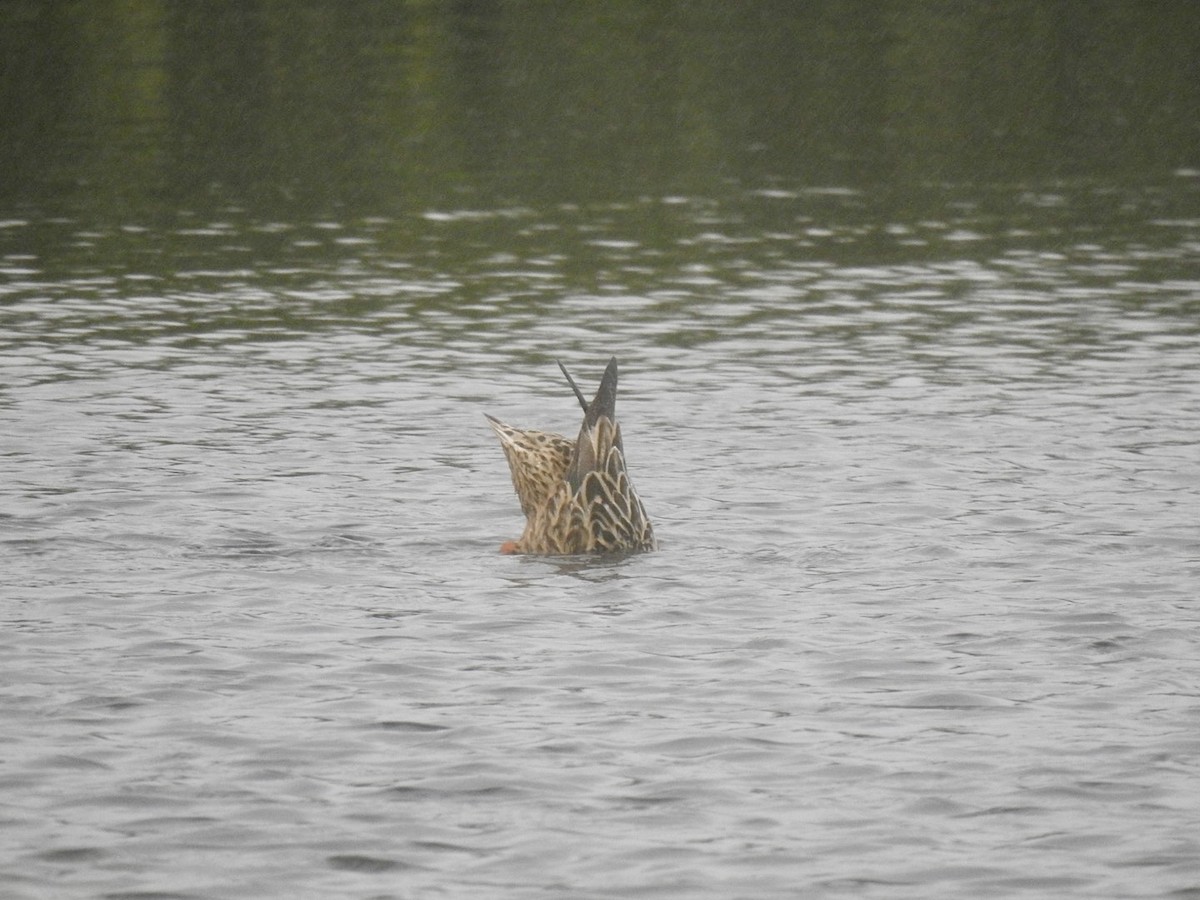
(576, 495)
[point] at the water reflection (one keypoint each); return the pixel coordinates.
(389, 106)
(748, 278)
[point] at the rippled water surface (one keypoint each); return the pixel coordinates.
(923, 624)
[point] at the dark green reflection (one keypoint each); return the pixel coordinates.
(398, 105)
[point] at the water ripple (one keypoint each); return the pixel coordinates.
(923, 623)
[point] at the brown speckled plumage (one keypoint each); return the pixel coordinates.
(576, 495)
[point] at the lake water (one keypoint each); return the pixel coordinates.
(923, 623)
(917, 431)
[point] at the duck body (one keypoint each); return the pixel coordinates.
(576, 495)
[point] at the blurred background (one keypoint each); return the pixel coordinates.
(381, 107)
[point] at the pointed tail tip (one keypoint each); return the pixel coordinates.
(610, 373)
(571, 381)
(504, 432)
(605, 402)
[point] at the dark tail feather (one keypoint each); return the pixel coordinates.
(593, 444)
(574, 386)
(604, 404)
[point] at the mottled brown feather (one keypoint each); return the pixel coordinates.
(576, 495)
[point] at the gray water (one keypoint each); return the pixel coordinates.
(923, 623)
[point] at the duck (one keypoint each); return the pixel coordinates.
(576, 495)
